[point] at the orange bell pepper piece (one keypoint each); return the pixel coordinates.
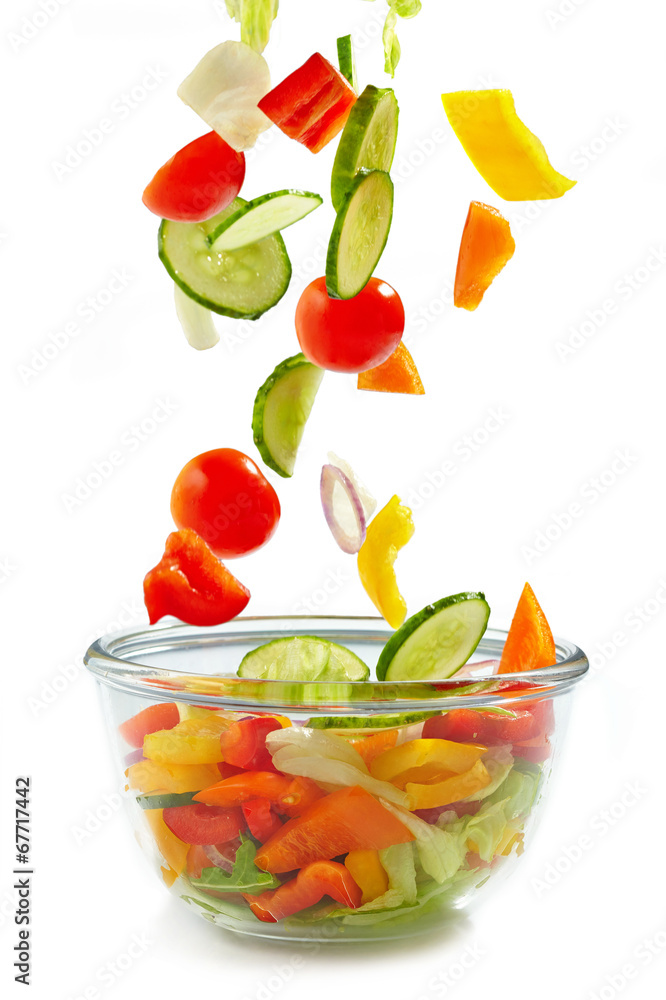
(346, 820)
(486, 246)
(321, 878)
(291, 796)
(397, 374)
(368, 872)
(371, 747)
(529, 644)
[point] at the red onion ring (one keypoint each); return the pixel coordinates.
(332, 477)
(222, 855)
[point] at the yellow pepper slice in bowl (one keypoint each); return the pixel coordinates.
(453, 789)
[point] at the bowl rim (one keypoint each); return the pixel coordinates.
(109, 660)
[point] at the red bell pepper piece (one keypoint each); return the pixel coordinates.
(312, 104)
(291, 796)
(262, 822)
(349, 819)
(192, 584)
(199, 824)
(321, 878)
(244, 743)
(462, 725)
(150, 720)
(536, 750)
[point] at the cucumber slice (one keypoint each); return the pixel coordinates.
(346, 60)
(303, 658)
(367, 722)
(166, 801)
(434, 643)
(281, 409)
(368, 140)
(263, 217)
(359, 235)
(241, 283)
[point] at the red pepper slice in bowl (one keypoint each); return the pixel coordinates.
(321, 878)
(165, 715)
(244, 743)
(200, 824)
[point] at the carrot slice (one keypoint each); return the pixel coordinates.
(529, 644)
(397, 374)
(485, 247)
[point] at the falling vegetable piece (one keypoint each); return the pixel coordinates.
(343, 509)
(199, 181)
(367, 142)
(365, 496)
(312, 104)
(316, 880)
(224, 89)
(359, 234)
(256, 18)
(508, 156)
(190, 583)
(529, 644)
(346, 60)
(397, 374)
(281, 410)
(388, 532)
(486, 246)
(262, 217)
(196, 321)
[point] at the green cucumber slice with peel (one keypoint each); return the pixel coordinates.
(166, 800)
(367, 141)
(303, 658)
(262, 217)
(435, 642)
(359, 235)
(346, 60)
(367, 723)
(242, 284)
(281, 409)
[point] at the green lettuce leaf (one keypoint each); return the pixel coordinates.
(498, 762)
(398, 862)
(517, 792)
(256, 19)
(440, 852)
(397, 8)
(245, 877)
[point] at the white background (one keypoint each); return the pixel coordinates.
(589, 82)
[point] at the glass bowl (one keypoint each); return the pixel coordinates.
(393, 804)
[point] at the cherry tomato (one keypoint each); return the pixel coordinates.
(223, 496)
(199, 824)
(150, 720)
(349, 335)
(200, 180)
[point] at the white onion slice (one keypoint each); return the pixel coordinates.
(343, 509)
(364, 494)
(196, 321)
(224, 89)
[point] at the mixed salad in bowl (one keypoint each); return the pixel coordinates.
(302, 798)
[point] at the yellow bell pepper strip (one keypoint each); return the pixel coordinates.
(453, 789)
(435, 756)
(388, 532)
(368, 872)
(172, 849)
(149, 776)
(195, 741)
(508, 156)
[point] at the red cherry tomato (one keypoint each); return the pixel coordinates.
(150, 720)
(200, 180)
(199, 824)
(349, 335)
(223, 496)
